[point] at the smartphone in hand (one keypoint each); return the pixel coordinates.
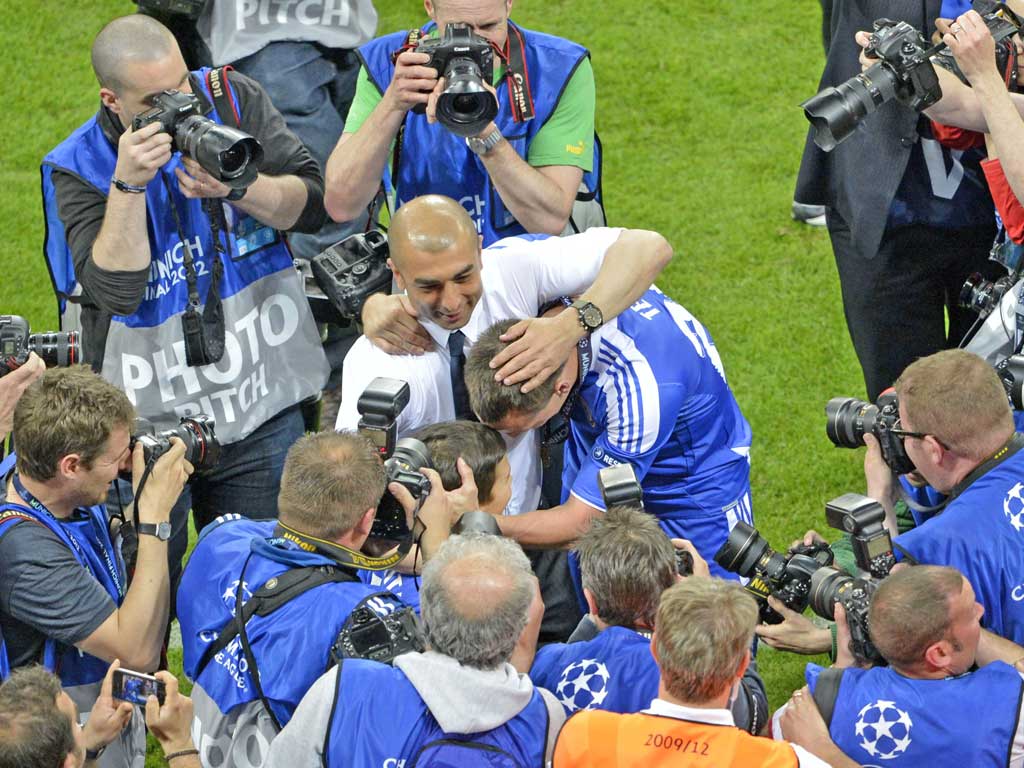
(136, 687)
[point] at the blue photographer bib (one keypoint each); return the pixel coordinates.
(453, 170)
(615, 672)
(368, 692)
(272, 358)
(291, 646)
(883, 718)
(86, 536)
(981, 534)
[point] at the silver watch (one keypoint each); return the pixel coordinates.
(482, 146)
(161, 531)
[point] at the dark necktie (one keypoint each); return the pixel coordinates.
(457, 366)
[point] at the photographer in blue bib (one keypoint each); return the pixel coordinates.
(271, 605)
(476, 108)
(64, 599)
(164, 214)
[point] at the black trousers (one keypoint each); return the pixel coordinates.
(896, 303)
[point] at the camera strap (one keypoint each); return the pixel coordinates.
(343, 556)
(204, 334)
(517, 75)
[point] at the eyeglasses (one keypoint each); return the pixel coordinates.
(903, 434)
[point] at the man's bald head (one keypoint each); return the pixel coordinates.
(475, 599)
(431, 224)
(127, 40)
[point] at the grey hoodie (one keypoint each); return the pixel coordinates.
(462, 700)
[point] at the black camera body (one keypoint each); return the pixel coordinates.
(786, 577)
(382, 638)
(16, 343)
(862, 518)
(620, 488)
(379, 406)
(202, 450)
(466, 61)
(904, 71)
(1011, 373)
(227, 154)
(353, 269)
(848, 419)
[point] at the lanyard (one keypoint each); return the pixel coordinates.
(88, 557)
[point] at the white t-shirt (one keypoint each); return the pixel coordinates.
(519, 275)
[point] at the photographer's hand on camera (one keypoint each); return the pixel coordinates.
(391, 323)
(796, 633)
(108, 716)
(881, 482)
(141, 153)
(171, 722)
(197, 183)
(412, 84)
(974, 49)
(11, 388)
(164, 484)
(700, 565)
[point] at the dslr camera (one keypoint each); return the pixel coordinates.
(786, 577)
(849, 418)
(352, 269)
(379, 406)
(620, 488)
(904, 72)
(202, 450)
(227, 154)
(861, 517)
(55, 348)
(466, 61)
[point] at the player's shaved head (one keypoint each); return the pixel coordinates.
(431, 223)
(127, 40)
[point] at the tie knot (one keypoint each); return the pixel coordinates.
(456, 340)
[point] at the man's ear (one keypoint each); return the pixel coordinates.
(939, 655)
(69, 465)
(70, 760)
(428, 6)
(654, 647)
(591, 601)
(108, 97)
(366, 522)
(398, 275)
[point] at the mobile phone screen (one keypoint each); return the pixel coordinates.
(136, 687)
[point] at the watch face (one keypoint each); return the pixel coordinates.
(592, 317)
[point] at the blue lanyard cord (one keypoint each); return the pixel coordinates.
(84, 556)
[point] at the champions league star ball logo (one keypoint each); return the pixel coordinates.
(884, 729)
(584, 685)
(1013, 507)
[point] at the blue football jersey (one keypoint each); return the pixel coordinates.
(656, 397)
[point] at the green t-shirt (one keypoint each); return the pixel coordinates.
(567, 138)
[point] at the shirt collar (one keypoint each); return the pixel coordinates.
(696, 714)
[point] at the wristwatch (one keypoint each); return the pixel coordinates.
(236, 194)
(590, 316)
(94, 754)
(482, 146)
(161, 530)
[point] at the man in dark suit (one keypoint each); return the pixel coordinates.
(908, 218)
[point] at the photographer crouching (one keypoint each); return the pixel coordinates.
(273, 604)
(64, 599)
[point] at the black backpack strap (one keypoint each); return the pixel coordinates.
(826, 690)
(268, 598)
(223, 101)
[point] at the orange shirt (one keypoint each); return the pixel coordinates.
(609, 740)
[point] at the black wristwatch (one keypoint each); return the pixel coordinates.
(236, 194)
(94, 754)
(161, 530)
(590, 316)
